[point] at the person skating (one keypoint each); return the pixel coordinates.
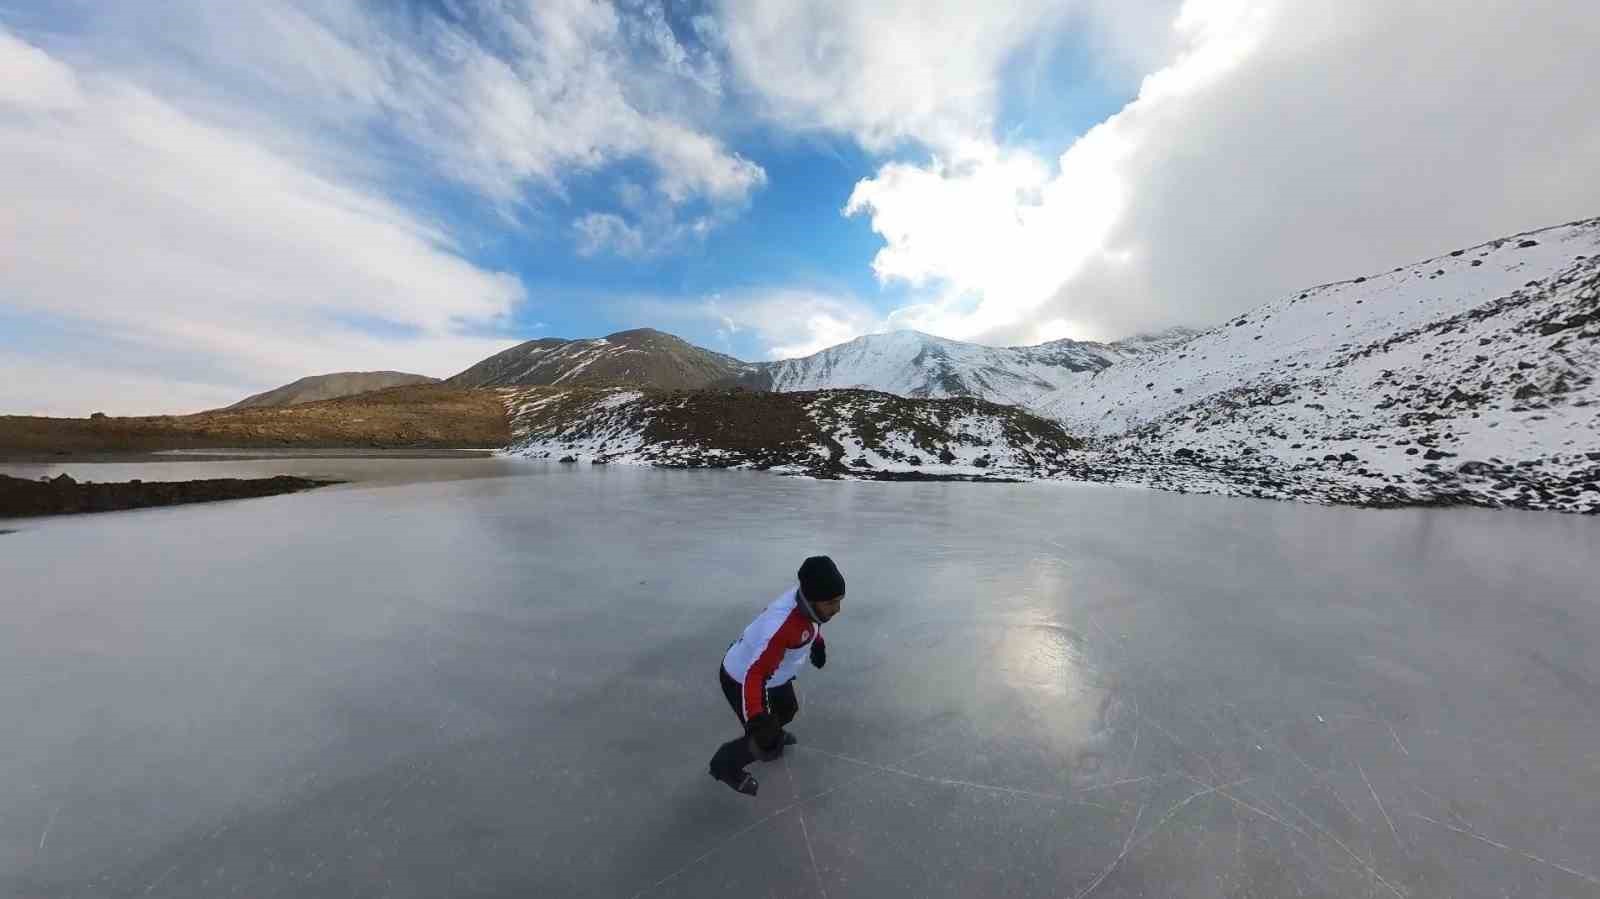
(757, 672)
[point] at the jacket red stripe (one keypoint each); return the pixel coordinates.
(790, 635)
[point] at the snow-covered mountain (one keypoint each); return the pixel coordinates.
(1469, 377)
(914, 364)
(904, 363)
(644, 357)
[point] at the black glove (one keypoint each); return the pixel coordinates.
(766, 736)
(819, 652)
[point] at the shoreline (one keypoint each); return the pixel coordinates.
(1439, 488)
(63, 495)
(1442, 489)
(244, 454)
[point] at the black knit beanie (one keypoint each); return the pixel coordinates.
(820, 579)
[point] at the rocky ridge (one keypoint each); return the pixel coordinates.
(830, 434)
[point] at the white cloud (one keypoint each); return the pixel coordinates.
(988, 232)
(884, 72)
(513, 100)
(602, 231)
(702, 67)
(790, 323)
(567, 96)
(1286, 142)
(781, 322)
(33, 80)
(193, 247)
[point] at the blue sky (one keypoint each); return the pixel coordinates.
(206, 199)
(791, 233)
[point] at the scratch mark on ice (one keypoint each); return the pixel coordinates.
(1126, 844)
(1397, 741)
(157, 882)
(1178, 806)
(48, 824)
(1347, 850)
(949, 782)
(1138, 725)
(1498, 845)
(1378, 801)
(805, 832)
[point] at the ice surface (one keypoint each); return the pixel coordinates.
(505, 686)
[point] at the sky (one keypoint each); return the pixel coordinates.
(205, 200)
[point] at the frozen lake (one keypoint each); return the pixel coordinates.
(484, 677)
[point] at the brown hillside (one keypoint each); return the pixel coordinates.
(330, 387)
(432, 416)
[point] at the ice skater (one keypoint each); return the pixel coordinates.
(758, 671)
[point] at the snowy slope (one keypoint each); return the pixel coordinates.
(1469, 377)
(834, 433)
(913, 364)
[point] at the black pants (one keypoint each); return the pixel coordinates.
(734, 755)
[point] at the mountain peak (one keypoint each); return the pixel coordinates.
(330, 386)
(641, 334)
(642, 357)
(899, 337)
(915, 363)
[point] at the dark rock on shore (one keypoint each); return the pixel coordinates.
(64, 496)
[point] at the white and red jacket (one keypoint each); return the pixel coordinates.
(772, 649)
